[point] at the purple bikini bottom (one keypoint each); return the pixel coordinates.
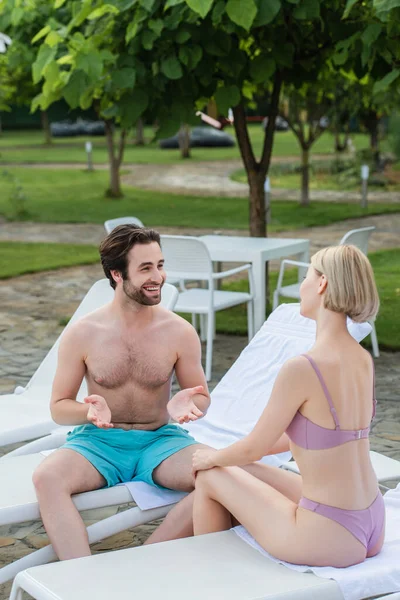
(366, 525)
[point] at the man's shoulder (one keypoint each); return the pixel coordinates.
(177, 323)
(86, 325)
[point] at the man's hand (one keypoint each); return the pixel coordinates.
(181, 407)
(99, 414)
(203, 459)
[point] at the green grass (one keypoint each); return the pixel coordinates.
(19, 258)
(318, 181)
(27, 147)
(66, 196)
(386, 265)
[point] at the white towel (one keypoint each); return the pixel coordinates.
(375, 576)
(147, 496)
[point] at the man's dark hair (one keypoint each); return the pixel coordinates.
(115, 247)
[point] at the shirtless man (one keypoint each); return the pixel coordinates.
(127, 351)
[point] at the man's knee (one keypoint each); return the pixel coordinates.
(47, 478)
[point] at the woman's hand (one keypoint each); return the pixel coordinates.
(203, 459)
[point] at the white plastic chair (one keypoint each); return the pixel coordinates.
(356, 237)
(188, 258)
(112, 223)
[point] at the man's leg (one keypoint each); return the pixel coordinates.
(175, 472)
(62, 474)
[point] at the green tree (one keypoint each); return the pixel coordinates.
(161, 60)
(306, 109)
(6, 85)
(21, 25)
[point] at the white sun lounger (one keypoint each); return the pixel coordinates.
(237, 403)
(25, 414)
(217, 566)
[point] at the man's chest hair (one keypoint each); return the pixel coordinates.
(119, 362)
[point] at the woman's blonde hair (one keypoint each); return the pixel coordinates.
(351, 285)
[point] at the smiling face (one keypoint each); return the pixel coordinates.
(311, 291)
(145, 274)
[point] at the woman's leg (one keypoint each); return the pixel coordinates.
(286, 482)
(279, 526)
(222, 492)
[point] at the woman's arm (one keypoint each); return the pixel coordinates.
(288, 394)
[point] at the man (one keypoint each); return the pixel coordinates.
(127, 351)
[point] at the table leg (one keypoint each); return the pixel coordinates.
(259, 292)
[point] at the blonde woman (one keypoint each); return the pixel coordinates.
(324, 402)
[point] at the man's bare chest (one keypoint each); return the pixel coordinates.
(116, 363)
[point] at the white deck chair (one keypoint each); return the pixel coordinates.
(216, 566)
(188, 258)
(112, 223)
(26, 414)
(357, 237)
(237, 402)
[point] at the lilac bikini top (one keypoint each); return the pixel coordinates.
(309, 435)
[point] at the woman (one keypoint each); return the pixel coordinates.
(334, 513)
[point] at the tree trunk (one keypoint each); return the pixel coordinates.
(257, 204)
(305, 177)
(341, 145)
(184, 140)
(373, 133)
(114, 191)
(44, 117)
(257, 172)
(371, 122)
(139, 138)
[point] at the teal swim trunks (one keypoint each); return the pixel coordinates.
(132, 455)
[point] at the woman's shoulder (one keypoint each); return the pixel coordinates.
(296, 367)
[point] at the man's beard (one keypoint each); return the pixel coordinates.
(138, 295)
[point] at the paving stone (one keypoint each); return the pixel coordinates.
(116, 542)
(36, 541)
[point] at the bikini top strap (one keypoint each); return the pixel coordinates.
(373, 389)
(323, 384)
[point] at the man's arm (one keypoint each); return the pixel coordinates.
(65, 410)
(188, 369)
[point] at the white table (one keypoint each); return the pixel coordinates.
(257, 251)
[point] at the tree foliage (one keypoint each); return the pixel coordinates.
(160, 60)
(374, 48)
